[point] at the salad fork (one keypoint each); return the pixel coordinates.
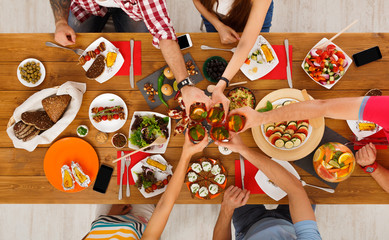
(204, 47)
(76, 51)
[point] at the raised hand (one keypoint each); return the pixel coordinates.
(64, 34)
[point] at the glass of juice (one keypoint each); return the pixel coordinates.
(216, 115)
(236, 122)
(196, 133)
(198, 112)
(219, 133)
(334, 162)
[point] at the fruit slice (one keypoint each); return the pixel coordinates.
(319, 154)
(323, 173)
(334, 163)
(345, 158)
(175, 87)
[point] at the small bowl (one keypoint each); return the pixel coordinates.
(101, 137)
(42, 71)
(248, 89)
(117, 135)
(206, 75)
(80, 134)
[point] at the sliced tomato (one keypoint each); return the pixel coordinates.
(309, 62)
(325, 55)
(247, 61)
(303, 130)
(340, 55)
(273, 139)
(335, 69)
(269, 133)
(331, 47)
(293, 127)
(319, 51)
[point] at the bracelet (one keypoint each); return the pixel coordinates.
(226, 80)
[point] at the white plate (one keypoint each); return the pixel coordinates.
(271, 189)
(349, 60)
(155, 149)
(137, 168)
(278, 102)
(263, 68)
(108, 72)
(108, 100)
(353, 125)
(43, 73)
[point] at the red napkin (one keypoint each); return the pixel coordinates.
(249, 177)
(135, 158)
(125, 50)
(380, 134)
(279, 72)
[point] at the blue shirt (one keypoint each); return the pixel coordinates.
(279, 229)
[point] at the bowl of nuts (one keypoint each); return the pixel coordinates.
(31, 72)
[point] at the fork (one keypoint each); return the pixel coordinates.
(76, 51)
(204, 47)
(330, 190)
(128, 162)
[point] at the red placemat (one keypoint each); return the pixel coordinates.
(249, 177)
(279, 72)
(125, 50)
(379, 135)
(135, 158)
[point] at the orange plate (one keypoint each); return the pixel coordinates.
(64, 151)
(223, 186)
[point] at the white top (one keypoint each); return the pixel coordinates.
(224, 6)
(107, 3)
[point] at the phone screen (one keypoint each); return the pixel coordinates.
(367, 56)
(183, 41)
(103, 178)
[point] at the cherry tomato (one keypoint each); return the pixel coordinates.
(100, 109)
(116, 116)
(104, 118)
(154, 187)
(165, 182)
(87, 58)
(97, 51)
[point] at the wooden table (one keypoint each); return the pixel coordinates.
(22, 179)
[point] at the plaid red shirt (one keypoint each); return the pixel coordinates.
(152, 12)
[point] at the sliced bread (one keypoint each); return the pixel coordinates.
(38, 119)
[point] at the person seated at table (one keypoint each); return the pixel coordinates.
(144, 222)
(249, 16)
(227, 17)
(128, 15)
(254, 221)
(369, 108)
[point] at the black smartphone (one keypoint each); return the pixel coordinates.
(184, 41)
(103, 178)
(367, 56)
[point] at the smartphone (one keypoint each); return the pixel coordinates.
(103, 178)
(184, 41)
(367, 56)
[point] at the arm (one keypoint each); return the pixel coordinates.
(234, 197)
(336, 108)
(299, 204)
(227, 35)
(367, 156)
(162, 211)
(250, 33)
(64, 34)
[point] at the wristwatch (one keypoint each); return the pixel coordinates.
(186, 82)
(370, 168)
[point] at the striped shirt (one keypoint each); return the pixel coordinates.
(116, 227)
(152, 12)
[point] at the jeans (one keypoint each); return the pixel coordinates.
(121, 21)
(265, 27)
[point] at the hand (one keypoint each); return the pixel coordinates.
(251, 115)
(64, 34)
(120, 209)
(227, 35)
(234, 197)
(235, 144)
(366, 155)
(219, 97)
(192, 148)
(191, 94)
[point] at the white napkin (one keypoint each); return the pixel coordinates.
(34, 103)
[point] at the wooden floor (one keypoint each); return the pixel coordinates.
(357, 222)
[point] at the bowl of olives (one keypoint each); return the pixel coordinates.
(213, 68)
(31, 72)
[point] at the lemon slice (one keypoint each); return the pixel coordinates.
(319, 154)
(344, 157)
(175, 87)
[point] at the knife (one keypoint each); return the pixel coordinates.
(288, 73)
(242, 172)
(132, 64)
(121, 176)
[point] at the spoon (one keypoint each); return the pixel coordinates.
(159, 141)
(330, 190)
(204, 47)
